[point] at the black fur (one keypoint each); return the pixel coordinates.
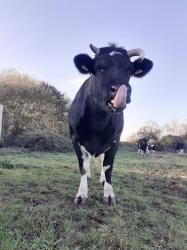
(143, 66)
(93, 123)
(81, 61)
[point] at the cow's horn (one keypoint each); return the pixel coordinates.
(94, 49)
(136, 52)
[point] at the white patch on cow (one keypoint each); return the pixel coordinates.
(138, 71)
(112, 53)
(102, 156)
(83, 188)
(84, 67)
(181, 151)
(103, 170)
(86, 160)
(102, 176)
(108, 190)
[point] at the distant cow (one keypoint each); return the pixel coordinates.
(152, 148)
(143, 145)
(179, 148)
(96, 113)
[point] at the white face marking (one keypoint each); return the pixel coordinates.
(108, 190)
(112, 53)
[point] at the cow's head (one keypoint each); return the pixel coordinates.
(112, 69)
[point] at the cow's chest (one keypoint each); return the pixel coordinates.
(96, 135)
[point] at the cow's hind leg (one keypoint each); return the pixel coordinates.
(109, 196)
(84, 166)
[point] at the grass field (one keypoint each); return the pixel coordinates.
(37, 211)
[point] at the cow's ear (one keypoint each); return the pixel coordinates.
(141, 68)
(84, 63)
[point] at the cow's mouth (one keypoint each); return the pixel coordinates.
(115, 109)
(120, 99)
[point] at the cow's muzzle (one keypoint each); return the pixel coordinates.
(120, 98)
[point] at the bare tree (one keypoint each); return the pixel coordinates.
(173, 128)
(151, 130)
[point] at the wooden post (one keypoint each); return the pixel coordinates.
(1, 118)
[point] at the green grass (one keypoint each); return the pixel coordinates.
(37, 211)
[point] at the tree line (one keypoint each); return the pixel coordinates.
(166, 136)
(31, 105)
(35, 114)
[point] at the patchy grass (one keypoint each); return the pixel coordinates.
(37, 210)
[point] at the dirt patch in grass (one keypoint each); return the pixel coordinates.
(176, 187)
(6, 164)
(31, 194)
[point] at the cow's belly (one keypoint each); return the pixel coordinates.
(96, 146)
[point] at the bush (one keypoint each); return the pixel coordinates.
(41, 141)
(127, 146)
(6, 164)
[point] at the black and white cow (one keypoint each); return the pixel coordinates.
(143, 145)
(179, 148)
(96, 113)
(152, 148)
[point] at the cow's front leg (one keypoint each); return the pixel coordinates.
(109, 196)
(84, 165)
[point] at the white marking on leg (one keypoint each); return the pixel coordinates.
(108, 190)
(103, 170)
(83, 188)
(102, 177)
(102, 159)
(181, 151)
(86, 161)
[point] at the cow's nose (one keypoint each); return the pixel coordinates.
(113, 90)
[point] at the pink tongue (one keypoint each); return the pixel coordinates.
(120, 98)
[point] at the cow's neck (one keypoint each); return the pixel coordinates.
(99, 119)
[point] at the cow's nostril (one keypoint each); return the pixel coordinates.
(113, 89)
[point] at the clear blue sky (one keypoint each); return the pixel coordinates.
(41, 37)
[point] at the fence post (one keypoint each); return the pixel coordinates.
(1, 118)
